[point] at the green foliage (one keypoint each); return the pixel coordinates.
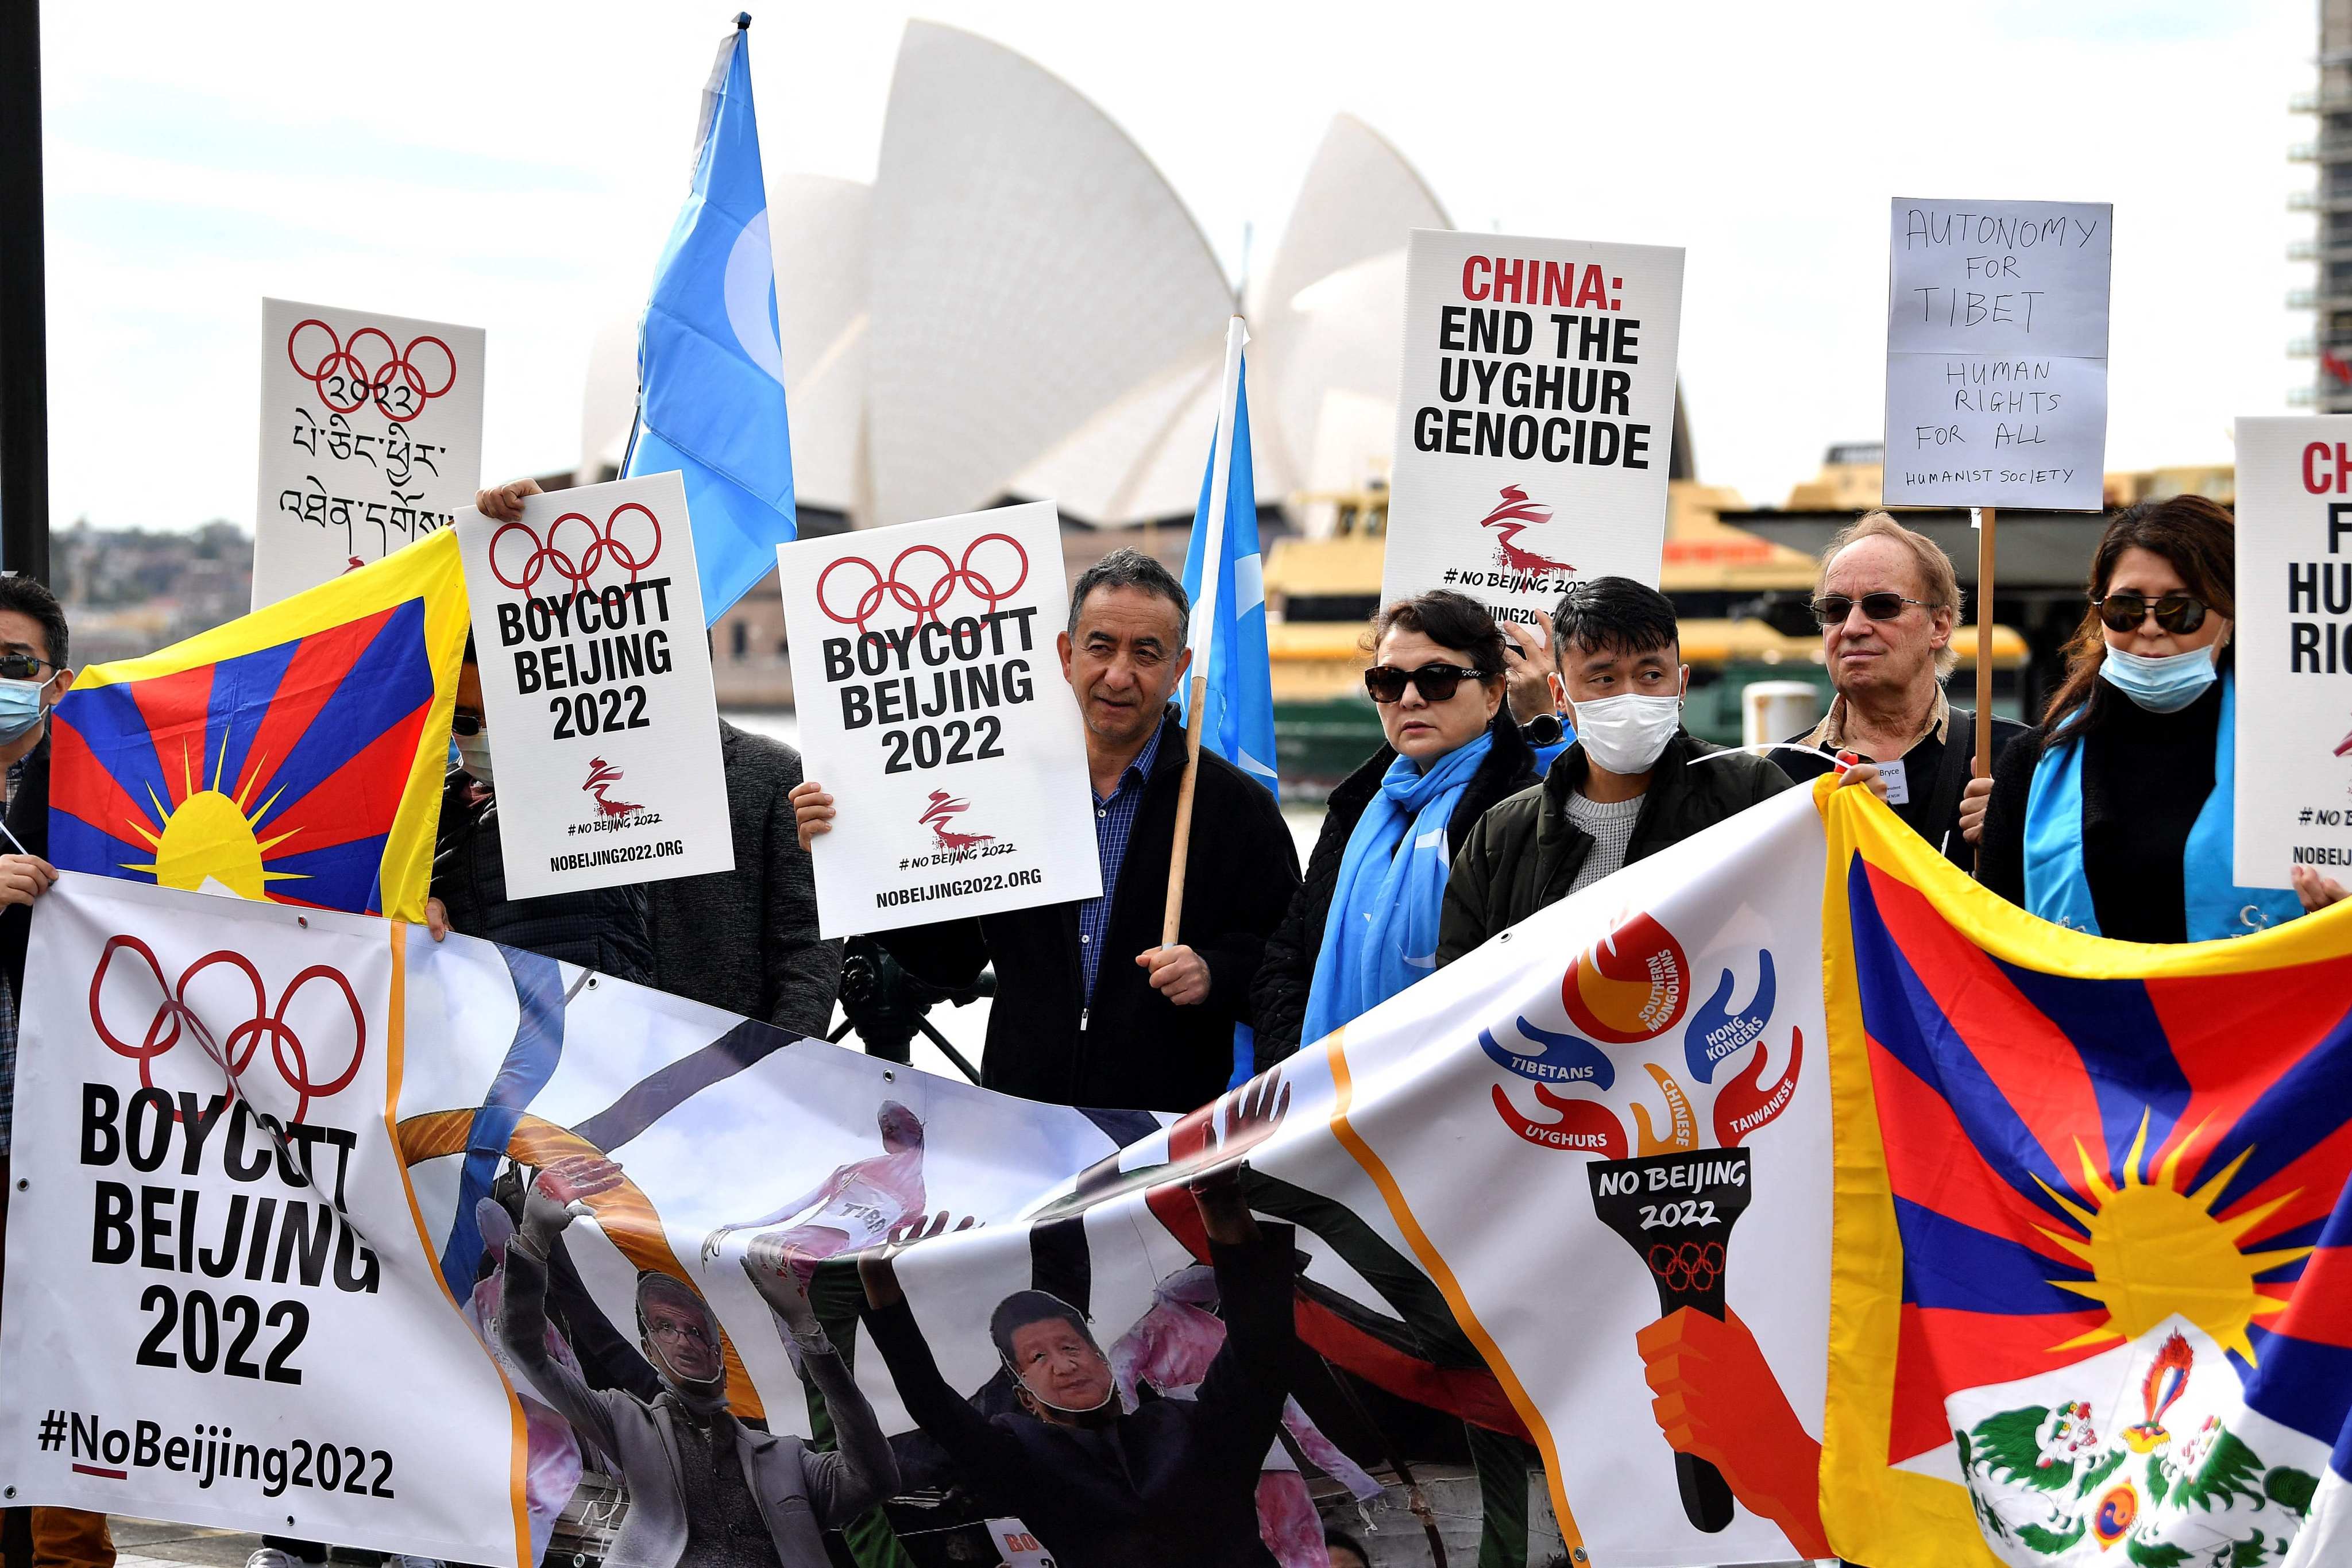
(2153, 1553)
(2158, 1483)
(2049, 1543)
(2008, 1448)
(2106, 1465)
(2291, 1489)
(2248, 1552)
(2230, 1472)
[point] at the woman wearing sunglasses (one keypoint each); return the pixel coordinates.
(2115, 817)
(1364, 926)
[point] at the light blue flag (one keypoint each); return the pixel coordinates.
(1238, 699)
(710, 369)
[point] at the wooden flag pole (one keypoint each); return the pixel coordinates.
(1982, 766)
(1204, 625)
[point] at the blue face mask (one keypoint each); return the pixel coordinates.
(2164, 685)
(20, 707)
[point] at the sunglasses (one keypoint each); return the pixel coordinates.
(464, 723)
(22, 666)
(1437, 682)
(1832, 608)
(2177, 612)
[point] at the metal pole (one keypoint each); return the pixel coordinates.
(24, 333)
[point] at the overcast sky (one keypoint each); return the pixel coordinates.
(517, 168)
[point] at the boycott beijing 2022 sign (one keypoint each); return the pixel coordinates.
(596, 688)
(1535, 419)
(932, 707)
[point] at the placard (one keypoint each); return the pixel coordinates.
(932, 707)
(1537, 418)
(596, 690)
(2293, 649)
(1996, 354)
(371, 438)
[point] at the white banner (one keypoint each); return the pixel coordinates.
(933, 709)
(371, 437)
(1536, 417)
(2293, 643)
(603, 726)
(1996, 354)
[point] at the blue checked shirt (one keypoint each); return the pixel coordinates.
(1114, 820)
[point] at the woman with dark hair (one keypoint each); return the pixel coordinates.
(1364, 926)
(2114, 815)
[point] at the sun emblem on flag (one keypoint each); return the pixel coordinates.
(210, 836)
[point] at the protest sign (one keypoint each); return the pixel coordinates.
(1996, 354)
(1537, 418)
(932, 707)
(371, 438)
(596, 691)
(2293, 693)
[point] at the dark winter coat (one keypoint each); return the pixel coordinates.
(602, 928)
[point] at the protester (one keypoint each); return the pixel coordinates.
(602, 928)
(1364, 926)
(745, 941)
(1632, 783)
(33, 649)
(705, 1491)
(2116, 814)
(1887, 599)
(1173, 1482)
(1077, 1020)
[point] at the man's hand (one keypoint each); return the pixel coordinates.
(1973, 809)
(1527, 674)
(436, 919)
(1717, 1400)
(24, 878)
(812, 810)
(769, 1261)
(1178, 973)
(2316, 890)
(547, 1203)
(1854, 770)
(503, 503)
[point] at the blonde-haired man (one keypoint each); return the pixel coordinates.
(1888, 600)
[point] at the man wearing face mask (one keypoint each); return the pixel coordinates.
(1625, 789)
(602, 928)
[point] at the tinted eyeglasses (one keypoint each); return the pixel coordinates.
(464, 723)
(22, 666)
(1832, 608)
(1437, 682)
(2179, 614)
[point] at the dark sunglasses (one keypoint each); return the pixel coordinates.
(469, 724)
(1832, 608)
(1437, 682)
(2177, 612)
(22, 666)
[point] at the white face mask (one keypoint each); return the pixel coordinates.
(1627, 734)
(473, 756)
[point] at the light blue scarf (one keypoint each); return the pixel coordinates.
(1382, 933)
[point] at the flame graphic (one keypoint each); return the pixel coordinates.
(1510, 519)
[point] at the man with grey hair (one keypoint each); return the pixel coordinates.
(1091, 1009)
(1886, 601)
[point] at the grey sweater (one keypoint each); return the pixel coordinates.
(746, 940)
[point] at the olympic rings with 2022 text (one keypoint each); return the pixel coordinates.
(926, 602)
(1693, 1265)
(345, 381)
(604, 545)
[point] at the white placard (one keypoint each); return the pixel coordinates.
(604, 729)
(1996, 354)
(2293, 649)
(932, 707)
(371, 438)
(1536, 419)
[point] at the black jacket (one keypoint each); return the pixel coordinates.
(1128, 1046)
(1523, 855)
(28, 819)
(1289, 972)
(602, 928)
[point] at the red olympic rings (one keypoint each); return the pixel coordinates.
(173, 1015)
(346, 383)
(927, 602)
(1692, 1265)
(603, 543)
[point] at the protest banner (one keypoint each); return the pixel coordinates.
(596, 690)
(931, 705)
(2088, 1225)
(371, 438)
(1996, 354)
(1537, 418)
(2293, 650)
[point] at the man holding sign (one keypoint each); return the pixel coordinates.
(1091, 1009)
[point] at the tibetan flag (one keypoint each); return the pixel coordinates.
(2092, 1289)
(295, 755)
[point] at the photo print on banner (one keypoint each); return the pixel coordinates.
(371, 438)
(596, 691)
(932, 706)
(1537, 418)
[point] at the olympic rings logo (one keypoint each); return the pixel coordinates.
(173, 1017)
(1690, 1266)
(924, 598)
(370, 368)
(600, 546)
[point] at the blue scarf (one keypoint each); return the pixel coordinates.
(1382, 933)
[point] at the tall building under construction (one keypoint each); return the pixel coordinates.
(2329, 296)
